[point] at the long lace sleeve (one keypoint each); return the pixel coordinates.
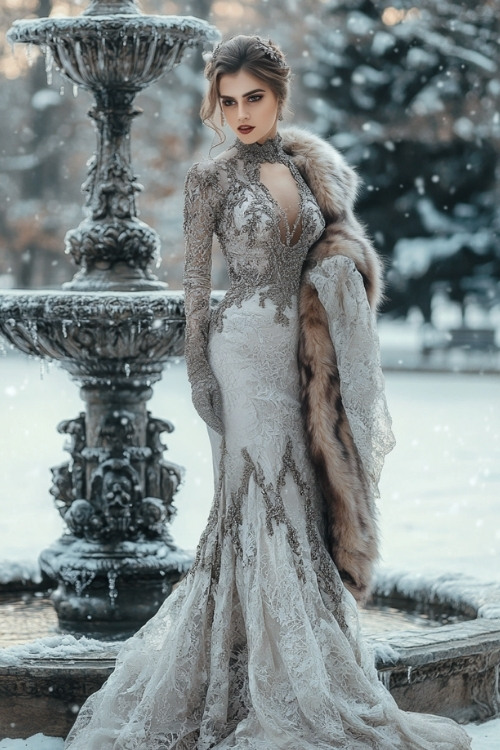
(200, 210)
(353, 332)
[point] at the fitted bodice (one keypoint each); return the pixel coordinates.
(264, 251)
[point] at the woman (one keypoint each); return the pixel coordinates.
(259, 646)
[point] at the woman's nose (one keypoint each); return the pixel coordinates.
(242, 111)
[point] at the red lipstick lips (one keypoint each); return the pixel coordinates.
(245, 129)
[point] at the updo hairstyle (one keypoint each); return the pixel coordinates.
(260, 58)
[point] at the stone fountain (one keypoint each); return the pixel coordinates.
(113, 328)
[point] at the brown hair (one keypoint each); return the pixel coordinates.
(262, 59)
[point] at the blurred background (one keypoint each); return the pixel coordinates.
(411, 96)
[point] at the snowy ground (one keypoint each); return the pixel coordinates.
(440, 487)
(484, 737)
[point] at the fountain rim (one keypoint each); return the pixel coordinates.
(88, 294)
(53, 29)
(81, 306)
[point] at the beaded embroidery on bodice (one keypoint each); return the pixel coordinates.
(249, 230)
(248, 222)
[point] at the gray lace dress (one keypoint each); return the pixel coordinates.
(259, 647)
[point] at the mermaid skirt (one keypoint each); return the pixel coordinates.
(259, 646)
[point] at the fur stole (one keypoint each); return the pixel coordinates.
(352, 535)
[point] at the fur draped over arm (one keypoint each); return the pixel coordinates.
(345, 414)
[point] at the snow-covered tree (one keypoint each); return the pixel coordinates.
(411, 94)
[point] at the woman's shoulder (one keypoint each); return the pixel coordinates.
(201, 170)
(210, 171)
(203, 179)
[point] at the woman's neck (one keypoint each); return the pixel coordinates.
(270, 150)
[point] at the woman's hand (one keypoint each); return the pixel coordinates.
(207, 400)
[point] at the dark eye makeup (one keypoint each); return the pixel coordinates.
(227, 101)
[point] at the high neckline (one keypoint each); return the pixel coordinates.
(270, 150)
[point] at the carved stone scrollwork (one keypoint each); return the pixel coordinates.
(68, 479)
(162, 477)
(117, 241)
(62, 487)
(117, 505)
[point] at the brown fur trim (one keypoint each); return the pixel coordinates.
(332, 181)
(352, 530)
(352, 533)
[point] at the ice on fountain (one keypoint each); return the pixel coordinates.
(383, 651)
(158, 41)
(80, 579)
(49, 62)
(385, 678)
(112, 589)
(29, 54)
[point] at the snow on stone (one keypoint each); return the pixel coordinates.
(36, 742)
(55, 647)
(459, 591)
(19, 570)
(484, 736)
(383, 651)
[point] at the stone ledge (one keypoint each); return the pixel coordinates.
(452, 670)
(44, 695)
(445, 642)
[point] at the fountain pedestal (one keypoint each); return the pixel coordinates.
(118, 560)
(113, 331)
(116, 496)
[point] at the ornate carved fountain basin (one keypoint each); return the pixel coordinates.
(112, 44)
(97, 336)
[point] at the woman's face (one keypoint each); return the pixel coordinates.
(249, 105)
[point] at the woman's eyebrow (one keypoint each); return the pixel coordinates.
(249, 93)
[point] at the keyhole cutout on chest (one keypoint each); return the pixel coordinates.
(284, 190)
